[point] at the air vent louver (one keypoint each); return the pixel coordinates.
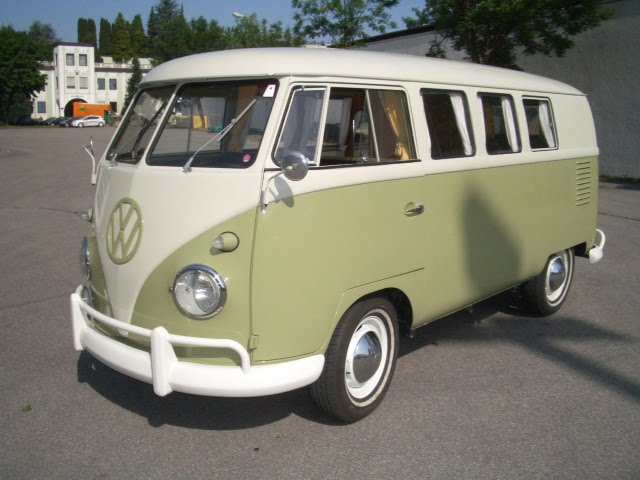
(583, 182)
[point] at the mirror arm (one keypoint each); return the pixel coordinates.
(91, 152)
(263, 193)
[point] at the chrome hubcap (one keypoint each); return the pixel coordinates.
(557, 275)
(367, 357)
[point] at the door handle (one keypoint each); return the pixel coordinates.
(413, 209)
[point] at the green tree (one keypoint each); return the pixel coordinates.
(121, 33)
(173, 40)
(105, 37)
(44, 38)
(20, 77)
(206, 36)
(87, 31)
(341, 22)
(138, 37)
(132, 84)
(168, 31)
(250, 32)
(493, 32)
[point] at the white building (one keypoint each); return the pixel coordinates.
(74, 76)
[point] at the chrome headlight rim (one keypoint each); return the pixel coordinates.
(215, 278)
(85, 258)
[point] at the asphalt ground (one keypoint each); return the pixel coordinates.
(490, 394)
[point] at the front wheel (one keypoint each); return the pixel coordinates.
(545, 293)
(359, 361)
(80, 125)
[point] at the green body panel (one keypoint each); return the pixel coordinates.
(99, 293)
(155, 306)
(491, 229)
(312, 248)
(302, 262)
(482, 232)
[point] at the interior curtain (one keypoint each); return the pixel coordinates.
(457, 102)
(344, 121)
(510, 124)
(545, 122)
(246, 93)
(394, 109)
(301, 128)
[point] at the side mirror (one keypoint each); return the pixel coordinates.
(295, 166)
(92, 153)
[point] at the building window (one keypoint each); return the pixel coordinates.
(500, 124)
(42, 107)
(71, 83)
(82, 59)
(84, 83)
(448, 121)
(542, 131)
(70, 60)
(113, 84)
(101, 84)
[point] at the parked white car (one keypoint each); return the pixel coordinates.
(88, 121)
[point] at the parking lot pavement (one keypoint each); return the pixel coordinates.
(488, 394)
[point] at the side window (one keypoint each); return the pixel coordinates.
(501, 131)
(542, 131)
(302, 124)
(447, 115)
(366, 126)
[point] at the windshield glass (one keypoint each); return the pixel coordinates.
(139, 125)
(215, 125)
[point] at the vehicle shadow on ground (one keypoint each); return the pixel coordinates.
(499, 319)
(503, 319)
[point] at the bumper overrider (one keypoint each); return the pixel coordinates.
(161, 368)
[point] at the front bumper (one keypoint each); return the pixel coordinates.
(167, 373)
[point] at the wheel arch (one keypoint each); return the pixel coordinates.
(396, 290)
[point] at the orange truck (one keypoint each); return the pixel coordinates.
(83, 109)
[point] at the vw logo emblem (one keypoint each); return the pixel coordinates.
(124, 231)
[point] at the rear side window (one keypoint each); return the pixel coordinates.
(501, 130)
(448, 121)
(542, 131)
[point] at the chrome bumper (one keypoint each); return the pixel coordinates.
(167, 373)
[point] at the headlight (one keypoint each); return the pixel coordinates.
(85, 259)
(199, 291)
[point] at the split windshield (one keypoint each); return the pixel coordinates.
(208, 125)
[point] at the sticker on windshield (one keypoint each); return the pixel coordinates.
(270, 91)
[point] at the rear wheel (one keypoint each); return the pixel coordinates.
(545, 293)
(359, 361)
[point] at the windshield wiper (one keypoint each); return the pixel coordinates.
(139, 136)
(221, 134)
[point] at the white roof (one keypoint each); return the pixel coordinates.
(321, 62)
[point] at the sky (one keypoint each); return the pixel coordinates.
(63, 14)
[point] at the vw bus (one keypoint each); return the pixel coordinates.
(271, 219)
